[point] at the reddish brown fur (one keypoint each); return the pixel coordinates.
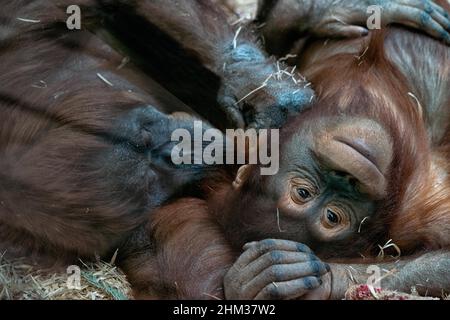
(187, 254)
(68, 107)
(416, 214)
(57, 204)
(418, 211)
(57, 117)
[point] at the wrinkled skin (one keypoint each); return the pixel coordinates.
(83, 160)
(254, 92)
(288, 270)
(220, 71)
(265, 270)
(347, 18)
(292, 266)
(325, 188)
(205, 49)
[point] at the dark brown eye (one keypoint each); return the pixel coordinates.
(332, 217)
(303, 193)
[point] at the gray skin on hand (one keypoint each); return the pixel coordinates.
(348, 18)
(258, 91)
(274, 269)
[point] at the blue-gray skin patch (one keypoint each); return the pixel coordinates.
(303, 248)
(382, 3)
(247, 68)
(246, 53)
(315, 267)
(292, 98)
(276, 256)
(425, 19)
(288, 100)
(444, 35)
(428, 8)
(308, 283)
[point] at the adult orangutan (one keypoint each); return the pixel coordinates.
(366, 166)
(85, 155)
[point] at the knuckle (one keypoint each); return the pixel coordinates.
(272, 291)
(318, 267)
(233, 271)
(276, 256)
(275, 273)
(315, 266)
(310, 282)
(234, 274)
(424, 18)
(266, 245)
(427, 6)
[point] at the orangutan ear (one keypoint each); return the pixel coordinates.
(242, 175)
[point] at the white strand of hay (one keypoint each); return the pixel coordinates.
(278, 221)
(362, 222)
(236, 37)
(255, 90)
(419, 105)
(28, 20)
(388, 245)
(109, 83)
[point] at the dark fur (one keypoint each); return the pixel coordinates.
(81, 162)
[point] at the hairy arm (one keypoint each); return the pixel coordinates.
(181, 254)
(280, 269)
(287, 20)
(428, 273)
(189, 47)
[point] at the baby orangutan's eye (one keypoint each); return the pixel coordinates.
(303, 193)
(334, 217)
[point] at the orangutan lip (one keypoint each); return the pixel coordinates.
(360, 147)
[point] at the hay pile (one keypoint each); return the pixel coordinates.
(98, 281)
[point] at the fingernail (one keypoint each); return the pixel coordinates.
(364, 32)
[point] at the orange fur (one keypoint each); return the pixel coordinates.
(417, 213)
